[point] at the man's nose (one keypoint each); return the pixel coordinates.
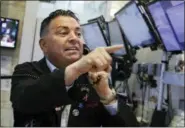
(73, 36)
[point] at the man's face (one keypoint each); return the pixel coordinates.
(63, 43)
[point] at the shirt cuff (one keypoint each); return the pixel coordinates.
(68, 87)
(112, 108)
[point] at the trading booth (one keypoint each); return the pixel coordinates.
(154, 25)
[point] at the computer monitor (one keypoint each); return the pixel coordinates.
(93, 35)
(168, 17)
(9, 32)
(134, 26)
(103, 25)
(116, 37)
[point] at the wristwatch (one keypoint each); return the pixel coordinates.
(109, 99)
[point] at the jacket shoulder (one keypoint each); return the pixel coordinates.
(25, 67)
(38, 67)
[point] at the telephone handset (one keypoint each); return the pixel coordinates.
(86, 49)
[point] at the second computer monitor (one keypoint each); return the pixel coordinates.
(116, 37)
(93, 35)
(168, 17)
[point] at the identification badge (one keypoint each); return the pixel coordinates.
(75, 112)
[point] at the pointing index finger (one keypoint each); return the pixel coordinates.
(111, 49)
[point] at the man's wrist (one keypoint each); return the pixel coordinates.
(71, 74)
(109, 99)
(113, 101)
(75, 69)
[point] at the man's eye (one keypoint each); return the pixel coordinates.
(79, 34)
(63, 33)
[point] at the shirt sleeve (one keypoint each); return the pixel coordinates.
(112, 108)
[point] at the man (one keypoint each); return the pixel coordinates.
(66, 88)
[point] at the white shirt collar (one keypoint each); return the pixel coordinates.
(50, 65)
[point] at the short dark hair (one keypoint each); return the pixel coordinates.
(45, 23)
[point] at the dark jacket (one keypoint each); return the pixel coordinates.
(36, 92)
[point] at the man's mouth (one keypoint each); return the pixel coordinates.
(72, 49)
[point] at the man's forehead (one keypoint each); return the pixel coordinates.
(64, 22)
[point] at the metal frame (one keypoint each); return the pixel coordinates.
(161, 84)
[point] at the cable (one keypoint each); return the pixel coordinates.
(143, 99)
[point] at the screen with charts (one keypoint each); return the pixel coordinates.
(116, 37)
(9, 32)
(134, 26)
(169, 20)
(93, 35)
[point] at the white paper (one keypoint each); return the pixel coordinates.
(5, 84)
(6, 64)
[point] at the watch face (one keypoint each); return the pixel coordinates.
(75, 112)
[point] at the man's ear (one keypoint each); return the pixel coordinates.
(43, 45)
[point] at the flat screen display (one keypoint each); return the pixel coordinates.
(116, 37)
(9, 32)
(168, 17)
(134, 26)
(93, 36)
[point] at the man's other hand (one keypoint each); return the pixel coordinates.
(100, 83)
(97, 60)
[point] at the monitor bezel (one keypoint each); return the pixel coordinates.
(100, 19)
(107, 43)
(17, 34)
(96, 19)
(114, 20)
(137, 47)
(152, 19)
